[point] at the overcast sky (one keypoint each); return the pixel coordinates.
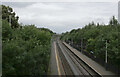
(60, 0)
(64, 16)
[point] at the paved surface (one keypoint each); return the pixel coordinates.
(56, 67)
(95, 66)
(53, 64)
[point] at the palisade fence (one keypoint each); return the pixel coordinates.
(109, 66)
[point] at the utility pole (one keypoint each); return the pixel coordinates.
(72, 41)
(10, 20)
(106, 60)
(106, 52)
(81, 45)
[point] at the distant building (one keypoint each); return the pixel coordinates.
(119, 11)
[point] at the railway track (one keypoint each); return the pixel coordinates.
(72, 64)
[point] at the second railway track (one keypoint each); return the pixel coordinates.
(75, 66)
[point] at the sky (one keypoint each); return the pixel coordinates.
(64, 16)
(59, 0)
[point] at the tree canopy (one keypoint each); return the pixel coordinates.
(26, 49)
(93, 37)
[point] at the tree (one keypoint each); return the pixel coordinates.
(9, 15)
(93, 39)
(113, 21)
(26, 50)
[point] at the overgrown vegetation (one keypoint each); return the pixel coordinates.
(92, 39)
(25, 49)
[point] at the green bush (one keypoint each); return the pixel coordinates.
(93, 38)
(26, 51)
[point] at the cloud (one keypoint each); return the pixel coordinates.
(64, 16)
(18, 4)
(59, 0)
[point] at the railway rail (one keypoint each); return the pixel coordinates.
(72, 64)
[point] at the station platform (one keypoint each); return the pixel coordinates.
(91, 63)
